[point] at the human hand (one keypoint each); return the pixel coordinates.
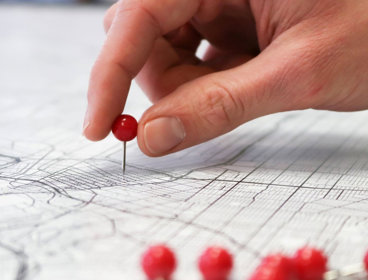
(265, 57)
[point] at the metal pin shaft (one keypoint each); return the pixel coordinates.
(124, 156)
(344, 272)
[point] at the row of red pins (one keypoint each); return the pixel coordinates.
(216, 263)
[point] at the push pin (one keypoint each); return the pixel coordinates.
(310, 263)
(215, 263)
(124, 128)
(158, 262)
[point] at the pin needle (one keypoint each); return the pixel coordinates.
(124, 156)
(344, 272)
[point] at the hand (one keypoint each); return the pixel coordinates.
(265, 57)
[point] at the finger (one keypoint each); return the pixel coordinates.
(185, 38)
(168, 68)
(223, 60)
(171, 63)
(130, 39)
(217, 103)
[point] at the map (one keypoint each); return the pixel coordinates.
(68, 212)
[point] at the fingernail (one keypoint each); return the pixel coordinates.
(163, 134)
(86, 122)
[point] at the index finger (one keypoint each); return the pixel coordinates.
(130, 39)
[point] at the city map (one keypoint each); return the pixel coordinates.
(68, 212)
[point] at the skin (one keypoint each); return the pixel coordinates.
(266, 56)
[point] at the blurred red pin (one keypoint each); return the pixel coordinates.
(215, 263)
(158, 262)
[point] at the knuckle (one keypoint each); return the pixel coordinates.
(152, 17)
(142, 7)
(107, 20)
(208, 10)
(217, 106)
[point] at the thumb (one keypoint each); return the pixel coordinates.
(217, 103)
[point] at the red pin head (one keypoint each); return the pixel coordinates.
(310, 264)
(274, 267)
(158, 262)
(366, 262)
(125, 128)
(215, 264)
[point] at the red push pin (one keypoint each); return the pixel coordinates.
(309, 264)
(125, 129)
(274, 267)
(215, 264)
(158, 262)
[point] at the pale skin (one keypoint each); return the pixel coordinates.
(266, 56)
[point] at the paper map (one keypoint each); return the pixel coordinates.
(68, 212)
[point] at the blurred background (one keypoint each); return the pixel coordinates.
(47, 49)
